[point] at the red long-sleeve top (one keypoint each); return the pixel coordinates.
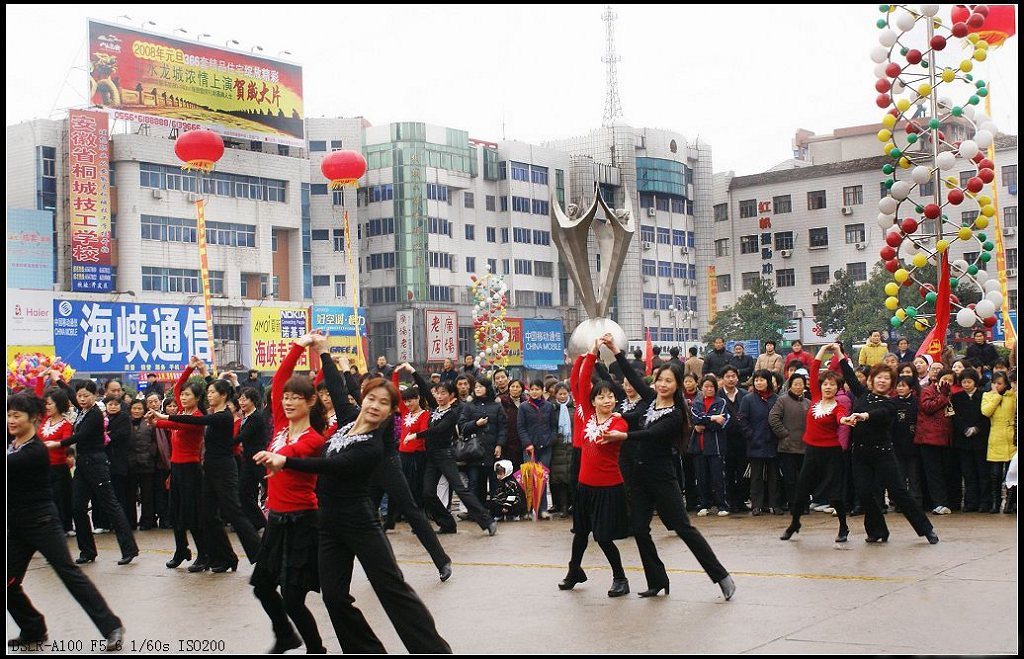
(599, 463)
(411, 423)
(290, 490)
(50, 431)
(574, 386)
(234, 433)
(822, 426)
(186, 440)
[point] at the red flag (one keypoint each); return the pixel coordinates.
(649, 355)
(932, 344)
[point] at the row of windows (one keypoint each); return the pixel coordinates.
(523, 172)
(325, 234)
(178, 280)
(534, 299)
(382, 261)
(440, 293)
(680, 333)
(437, 192)
(383, 295)
(440, 260)
(666, 236)
(321, 145)
(665, 203)
(322, 281)
(520, 235)
(652, 268)
(183, 230)
(166, 177)
(667, 301)
(384, 226)
(439, 226)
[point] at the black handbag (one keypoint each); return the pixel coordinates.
(469, 449)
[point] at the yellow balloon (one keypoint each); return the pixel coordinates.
(884, 135)
(901, 314)
(901, 275)
(920, 260)
(981, 222)
(980, 54)
(904, 163)
(988, 210)
(973, 38)
(984, 200)
(892, 303)
(964, 233)
(981, 43)
(888, 120)
(889, 146)
(966, 66)
(948, 75)
(941, 246)
(952, 181)
(892, 289)
(904, 104)
(924, 89)
(920, 325)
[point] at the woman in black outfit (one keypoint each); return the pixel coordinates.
(874, 463)
(655, 486)
(252, 435)
(33, 524)
(220, 481)
(92, 477)
(485, 418)
(350, 527)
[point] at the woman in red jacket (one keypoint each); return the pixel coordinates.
(55, 428)
(934, 436)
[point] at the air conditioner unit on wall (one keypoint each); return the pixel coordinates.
(846, 210)
(646, 279)
(158, 193)
(684, 250)
(652, 211)
(192, 197)
(862, 246)
(786, 253)
(1009, 231)
(647, 245)
(1011, 272)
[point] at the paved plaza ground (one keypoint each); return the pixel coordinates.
(801, 597)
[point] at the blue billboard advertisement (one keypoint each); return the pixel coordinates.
(543, 344)
(30, 254)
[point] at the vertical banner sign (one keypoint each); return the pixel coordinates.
(89, 197)
(442, 335)
(405, 338)
(273, 331)
(204, 271)
(345, 331)
(515, 341)
(353, 276)
(712, 294)
(543, 345)
(30, 252)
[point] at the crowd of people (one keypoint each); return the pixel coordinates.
(310, 477)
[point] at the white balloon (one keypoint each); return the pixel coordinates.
(884, 221)
(887, 205)
(879, 54)
(910, 247)
(929, 10)
(880, 70)
(989, 126)
(995, 297)
(900, 190)
(965, 317)
(981, 277)
(968, 149)
(985, 309)
(983, 139)
(991, 284)
(905, 21)
(959, 266)
(980, 117)
(887, 38)
(898, 87)
(921, 174)
(945, 102)
(945, 160)
(969, 111)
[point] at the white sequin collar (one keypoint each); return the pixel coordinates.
(341, 440)
(655, 414)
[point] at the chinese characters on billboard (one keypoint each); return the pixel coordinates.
(273, 331)
(29, 249)
(404, 337)
(340, 325)
(89, 197)
(543, 344)
(116, 337)
(161, 81)
(442, 335)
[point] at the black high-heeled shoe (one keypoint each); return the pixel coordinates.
(876, 539)
(790, 531)
(199, 566)
(933, 537)
(220, 569)
(844, 535)
(619, 587)
(82, 560)
(575, 576)
(125, 560)
(283, 644)
(179, 558)
(653, 592)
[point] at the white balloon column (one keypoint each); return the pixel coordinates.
(490, 330)
(918, 93)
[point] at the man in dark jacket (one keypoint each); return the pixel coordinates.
(743, 362)
(119, 430)
(537, 423)
(970, 441)
(383, 368)
(903, 352)
(154, 387)
(981, 352)
(469, 367)
(737, 489)
(142, 461)
(716, 360)
(673, 356)
(448, 372)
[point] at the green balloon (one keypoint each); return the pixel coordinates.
(985, 257)
(895, 154)
(912, 138)
(979, 84)
(983, 92)
(953, 282)
(972, 269)
(883, 8)
(912, 312)
(932, 296)
(895, 322)
(969, 77)
(988, 246)
(924, 63)
(880, 23)
(982, 237)
(957, 111)
(904, 51)
(933, 123)
(888, 182)
(918, 209)
(974, 100)
(888, 168)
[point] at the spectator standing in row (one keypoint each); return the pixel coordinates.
(981, 352)
(716, 360)
(903, 352)
(743, 362)
(769, 360)
(693, 365)
(873, 351)
(448, 372)
(800, 355)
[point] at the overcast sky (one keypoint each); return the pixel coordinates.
(741, 78)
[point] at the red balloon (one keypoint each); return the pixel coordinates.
(970, 306)
(938, 42)
(908, 283)
(975, 21)
(975, 184)
(199, 148)
(985, 163)
(914, 56)
(909, 225)
(955, 196)
(923, 291)
(892, 265)
(932, 211)
(981, 9)
(343, 167)
(978, 157)
(912, 128)
(954, 299)
(882, 100)
(893, 69)
(882, 85)
(959, 13)
(942, 136)
(893, 239)
(989, 322)
(888, 254)
(960, 30)
(986, 175)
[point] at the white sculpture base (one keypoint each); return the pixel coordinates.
(583, 337)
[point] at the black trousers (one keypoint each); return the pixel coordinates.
(220, 493)
(936, 467)
(124, 498)
(737, 487)
(60, 483)
(92, 481)
(349, 530)
(142, 487)
(691, 487)
(764, 483)
(161, 497)
(413, 466)
(611, 552)
(790, 465)
(711, 479)
(910, 470)
(657, 489)
(441, 462)
(974, 468)
(873, 465)
(390, 478)
(250, 478)
(42, 531)
(821, 465)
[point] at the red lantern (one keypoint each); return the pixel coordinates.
(909, 225)
(932, 211)
(888, 254)
(989, 322)
(343, 168)
(986, 175)
(199, 149)
(955, 196)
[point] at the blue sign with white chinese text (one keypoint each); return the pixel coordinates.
(543, 344)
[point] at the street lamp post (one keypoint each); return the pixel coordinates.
(673, 309)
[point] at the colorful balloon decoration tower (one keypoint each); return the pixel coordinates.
(490, 330)
(201, 150)
(926, 86)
